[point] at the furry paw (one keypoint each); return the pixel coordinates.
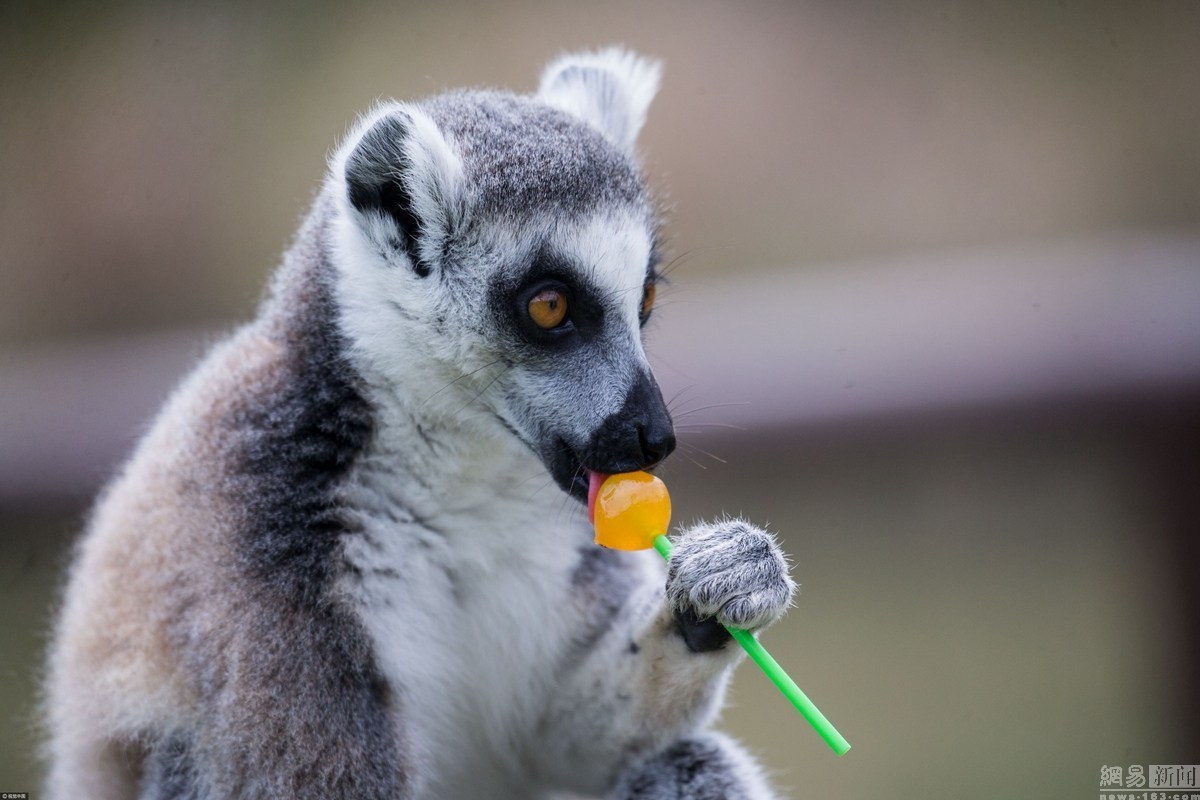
(710, 768)
(730, 571)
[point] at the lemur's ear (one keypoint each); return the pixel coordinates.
(611, 89)
(404, 179)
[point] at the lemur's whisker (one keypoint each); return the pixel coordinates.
(683, 451)
(678, 396)
(480, 393)
(694, 427)
(702, 451)
(462, 377)
(678, 261)
(709, 407)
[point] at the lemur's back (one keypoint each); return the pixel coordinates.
(344, 561)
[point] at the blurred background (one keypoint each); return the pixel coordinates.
(934, 316)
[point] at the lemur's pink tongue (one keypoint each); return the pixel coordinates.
(594, 481)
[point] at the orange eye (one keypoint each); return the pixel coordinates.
(648, 294)
(548, 308)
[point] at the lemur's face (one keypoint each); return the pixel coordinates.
(506, 248)
(566, 316)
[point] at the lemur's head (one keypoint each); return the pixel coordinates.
(500, 251)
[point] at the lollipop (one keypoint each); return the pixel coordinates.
(631, 511)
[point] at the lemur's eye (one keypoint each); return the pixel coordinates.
(548, 308)
(648, 293)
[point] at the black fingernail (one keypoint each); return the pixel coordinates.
(700, 635)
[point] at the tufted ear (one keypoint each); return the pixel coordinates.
(610, 89)
(405, 182)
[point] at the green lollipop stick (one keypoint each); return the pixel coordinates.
(776, 673)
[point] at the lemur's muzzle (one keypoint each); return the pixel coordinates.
(638, 436)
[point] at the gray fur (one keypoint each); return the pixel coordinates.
(169, 772)
(522, 157)
(729, 570)
(711, 767)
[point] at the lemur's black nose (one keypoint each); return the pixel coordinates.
(657, 438)
(638, 436)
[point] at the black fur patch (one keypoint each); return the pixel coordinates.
(508, 302)
(296, 446)
(376, 173)
(294, 699)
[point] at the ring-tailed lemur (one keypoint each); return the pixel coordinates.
(337, 566)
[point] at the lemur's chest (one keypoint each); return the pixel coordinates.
(470, 616)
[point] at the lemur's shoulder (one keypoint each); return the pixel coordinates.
(217, 545)
(172, 534)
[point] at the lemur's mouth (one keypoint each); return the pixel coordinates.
(594, 481)
(585, 485)
(580, 473)
(569, 472)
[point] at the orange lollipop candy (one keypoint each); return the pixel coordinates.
(630, 510)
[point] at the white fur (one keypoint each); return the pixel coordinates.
(610, 89)
(482, 505)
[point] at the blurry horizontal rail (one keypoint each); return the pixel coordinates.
(798, 347)
(978, 328)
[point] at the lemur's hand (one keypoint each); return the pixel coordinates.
(727, 572)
